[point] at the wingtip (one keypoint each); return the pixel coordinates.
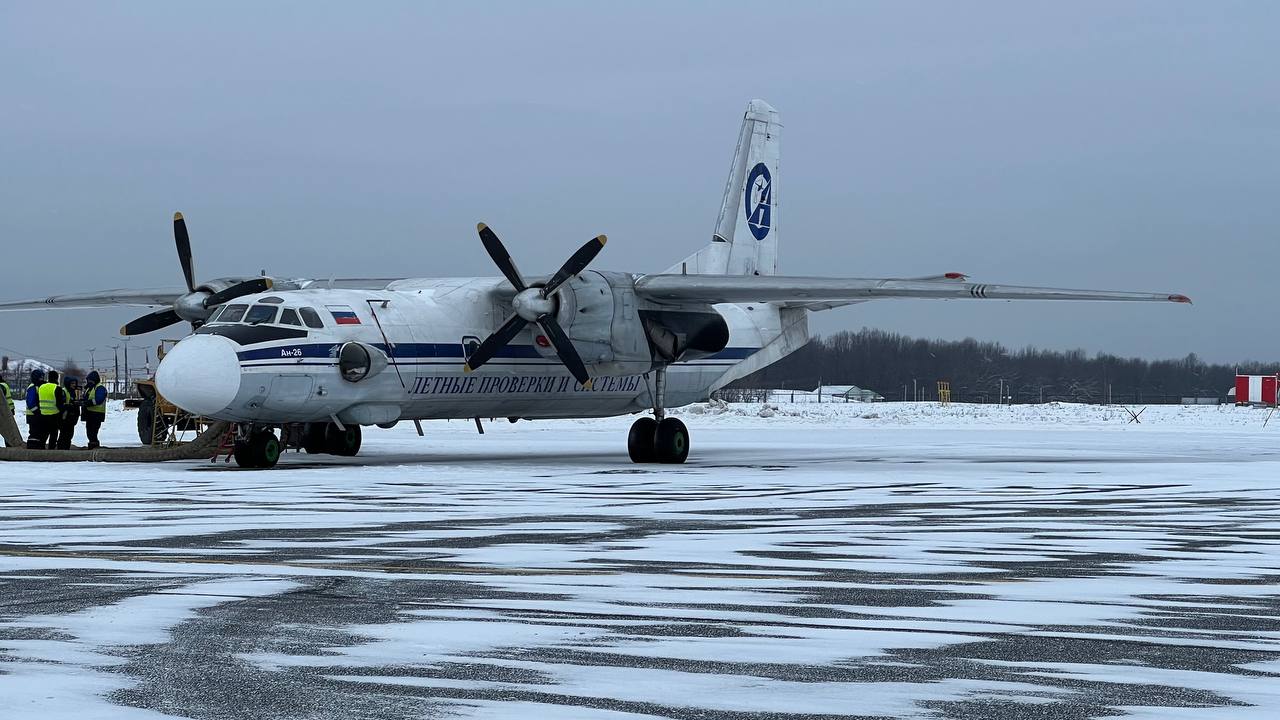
(481, 227)
(602, 239)
(955, 276)
(124, 330)
(270, 283)
(587, 385)
(177, 216)
(466, 368)
(1180, 299)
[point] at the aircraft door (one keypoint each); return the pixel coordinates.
(288, 392)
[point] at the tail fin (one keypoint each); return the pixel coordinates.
(746, 237)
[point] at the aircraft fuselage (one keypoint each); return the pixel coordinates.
(274, 373)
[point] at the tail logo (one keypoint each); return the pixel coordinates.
(759, 201)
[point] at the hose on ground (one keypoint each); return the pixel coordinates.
(202, 447)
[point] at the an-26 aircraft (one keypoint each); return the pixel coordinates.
(320, 359)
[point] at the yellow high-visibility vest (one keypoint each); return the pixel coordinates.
(8, 395)
(48, 394)
(89, 393)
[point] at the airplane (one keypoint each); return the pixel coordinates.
(320, 359)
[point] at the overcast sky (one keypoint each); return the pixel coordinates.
(1100, 145)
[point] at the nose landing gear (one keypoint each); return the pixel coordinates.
(256, 448)
(659, 438)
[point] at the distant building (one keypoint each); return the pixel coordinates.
(827, 393)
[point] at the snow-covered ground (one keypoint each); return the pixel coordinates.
(903, 560)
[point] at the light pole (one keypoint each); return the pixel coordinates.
(91, 365)
(115, 376)
(126, 364)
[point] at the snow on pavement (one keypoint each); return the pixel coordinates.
(902, 560)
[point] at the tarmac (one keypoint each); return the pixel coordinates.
(929, 572)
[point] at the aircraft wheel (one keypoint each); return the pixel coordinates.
(671, 443)
(342, 442)
(261, 451)
(151, 427)
(640, 440)
(313, 439)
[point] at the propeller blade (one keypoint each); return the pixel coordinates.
(495, 342)
(500, 256)
(576, 263)
(184, 251)
(248, 287)
(149, 323)
(565, 349)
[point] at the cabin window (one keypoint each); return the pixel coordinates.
(232, 313)
(289, 316)
(273, 300)
(259, 314)
(311, 317)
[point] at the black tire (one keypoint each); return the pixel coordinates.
(313, 439)
(261, 451)
(267, 448)
(150, 427)
(671, 443)
(640, 440)
(243, 455)
(345, 443)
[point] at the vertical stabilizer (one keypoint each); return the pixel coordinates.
(746, 235)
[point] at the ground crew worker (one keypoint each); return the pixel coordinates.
(53, 402)
(71, 415)
(6, 394)
(36, 432)
(95, 406)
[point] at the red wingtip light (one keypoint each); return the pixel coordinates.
(956, 276)
(542, 341)
(1180, 299)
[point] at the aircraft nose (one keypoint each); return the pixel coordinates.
(201, 374)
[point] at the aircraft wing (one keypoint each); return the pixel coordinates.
(166, 297)
(104, 298)
(819, 293)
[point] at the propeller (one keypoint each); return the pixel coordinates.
(196, 306)
(535, 305)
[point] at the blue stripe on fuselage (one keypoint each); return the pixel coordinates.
(413, 351)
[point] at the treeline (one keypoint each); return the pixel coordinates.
(900, 367)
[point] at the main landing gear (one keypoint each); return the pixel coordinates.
(659, 438)
(329, 439)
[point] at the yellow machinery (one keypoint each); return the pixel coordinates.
(160, 421)
(944, 392)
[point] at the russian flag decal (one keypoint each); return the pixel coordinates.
(343, 314)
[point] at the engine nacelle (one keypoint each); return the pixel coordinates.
(617, 333)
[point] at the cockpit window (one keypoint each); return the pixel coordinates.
(232, 313)
(311, 317)
(289, 316)
(259, 314)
